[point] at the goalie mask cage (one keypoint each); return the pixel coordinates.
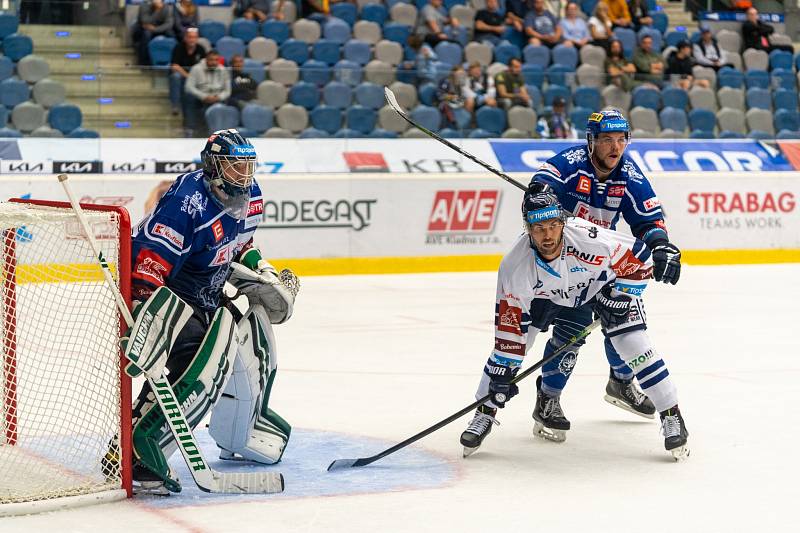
(65, 402)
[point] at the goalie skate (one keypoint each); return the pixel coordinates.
(549, 420)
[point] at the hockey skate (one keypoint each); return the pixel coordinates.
(478, 429)
(626, 395)
(550, 422)
(146, 482)
(675, 433)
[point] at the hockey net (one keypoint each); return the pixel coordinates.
(64, 402)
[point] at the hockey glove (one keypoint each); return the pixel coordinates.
(274, 291)
(612, 309)
(666, 262)
(500, 387)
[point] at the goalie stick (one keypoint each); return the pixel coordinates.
(363, 461)
(206, 478)
(392, 101)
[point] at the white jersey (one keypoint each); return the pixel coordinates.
(530, 290)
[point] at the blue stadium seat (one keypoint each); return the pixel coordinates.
(327, 118)
(294, 50)
(480, 133)
(82, 133)
(327, 51)
(316, 72)
(257, 117)
(554, 91)
(347, 133)
(587, 97)
(6, 133)
(304, 94)
(213, 30)
(13, 92)
(759, 98)
(345, 11)
(450, 53)
(65, 117)
(658, 40)
(337, 94)
(587, 6)
(702, 119)
(652, 5)
(361, 119)
(379, 133)
(394, 31)
(348, 72)
(533, 74)
(757, 78)
(579, 116)
(16, 46)
(357, 51)
(797, 62)
(536, 96)
(336, 30)
(730, 77)
(780, 59)
(370, 95)
(160, 50)
(788, 134)
(427, 116)
(558, 74)
(319, 18)
(784, 99)
(255, 69)
(448, 3)
(504, 51)
(221, 117)
(441, 71)
(674, 37)
(8, 24)
(628, 39)
(277, 30)
(4, 113)
(727, 134)
(232, 46)
(673, 118)
(313, 133)
(675, 97)
(6, 68)
(565, 55)
(646, 97)
(244, 29)
(759, 135)
(374, 13)
(786, 119)
(660, 21)
(450, 133)
(784, 78)
(694, 38)
(702, 134)
(427, 93)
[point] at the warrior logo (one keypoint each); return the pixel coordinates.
(567, 363)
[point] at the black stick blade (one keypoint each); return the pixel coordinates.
(338, 464)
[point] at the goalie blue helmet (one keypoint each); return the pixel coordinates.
(606, 121)
(229, 162)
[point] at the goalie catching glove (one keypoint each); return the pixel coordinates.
(262, 284)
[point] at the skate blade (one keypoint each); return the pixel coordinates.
(150, 488)
(622, 405)
(681, 453)
(553, 435)
(469, 451)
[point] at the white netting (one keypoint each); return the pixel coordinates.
(59, 381)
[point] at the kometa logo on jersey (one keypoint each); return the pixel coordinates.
(509, 318)
(464, 211)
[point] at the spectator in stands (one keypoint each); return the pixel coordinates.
(185, 16)
(510, 86)
(574, 29)
(516, 10)
(679, 67)
(541, 26)
(649, 65)
(755, 34)
(154, 19)
(620, 71)
(707, 52)
(184, 56)
(435, 25)
(243, 87)
(424, 59)
(258, 10)
(309, 7)
(618, 12)
(479, 89)
(640, 14)
(490, 23)
(208, 83)
(450, 94)
(557, 125)
(600, 25)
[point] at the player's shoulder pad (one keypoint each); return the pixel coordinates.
(564, 164)
(631, 171)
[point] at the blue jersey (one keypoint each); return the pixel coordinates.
(625, 192)
(188, 242)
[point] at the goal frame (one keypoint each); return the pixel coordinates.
(8, 250)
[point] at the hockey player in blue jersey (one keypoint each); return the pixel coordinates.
(599, 183)
(220, 359)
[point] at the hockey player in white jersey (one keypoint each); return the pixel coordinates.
(558, 264)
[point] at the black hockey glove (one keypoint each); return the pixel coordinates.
(666, 262)
(612, 309)
(500, 386)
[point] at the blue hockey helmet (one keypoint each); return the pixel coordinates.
(229, 162)
(540, 203)
(606, 121)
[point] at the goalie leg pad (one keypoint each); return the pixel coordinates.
(197, 388)
(638, 353)
(242, 423)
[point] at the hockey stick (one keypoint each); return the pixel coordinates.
(346, 463)
(207, 479)
(390, 98)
